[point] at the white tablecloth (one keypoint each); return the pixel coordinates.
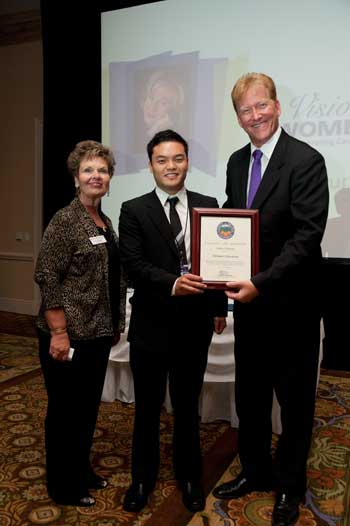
(217, 400)
(119, 384)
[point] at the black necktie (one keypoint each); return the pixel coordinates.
(175, 224)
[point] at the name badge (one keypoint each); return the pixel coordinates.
(98, 240)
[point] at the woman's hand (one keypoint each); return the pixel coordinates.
(59, 346)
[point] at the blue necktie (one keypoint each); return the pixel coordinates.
(255, 177)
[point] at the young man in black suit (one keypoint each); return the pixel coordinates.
(277, 312)
(172, 321)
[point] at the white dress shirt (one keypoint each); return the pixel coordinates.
(182, 210)
(267, 150)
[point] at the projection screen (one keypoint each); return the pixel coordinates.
(172, 64)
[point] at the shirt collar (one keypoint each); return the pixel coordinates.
(163, 196)
(268, 147)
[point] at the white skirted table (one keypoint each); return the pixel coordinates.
(217, 401)
(119, 384)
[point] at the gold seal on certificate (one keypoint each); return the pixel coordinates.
(225, 245)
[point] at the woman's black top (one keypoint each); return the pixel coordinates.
(113, 274)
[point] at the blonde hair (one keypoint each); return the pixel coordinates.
(247, 80)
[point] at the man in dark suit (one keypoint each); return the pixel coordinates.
(172, 321)
(277, 311)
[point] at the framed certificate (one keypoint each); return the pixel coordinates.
(225, 245)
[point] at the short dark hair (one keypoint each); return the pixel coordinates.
(165, 136)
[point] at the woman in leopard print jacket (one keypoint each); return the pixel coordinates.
(83, 294)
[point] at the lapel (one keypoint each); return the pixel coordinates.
(272, 173)
(84, 219)
(241, 171)
(160, 221)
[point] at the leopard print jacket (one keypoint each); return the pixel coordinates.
(72, 273)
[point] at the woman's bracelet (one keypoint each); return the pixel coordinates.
(58, 330)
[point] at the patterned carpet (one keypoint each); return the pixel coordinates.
(20, 324)
(328, 497)
(23, 497)
(18, 356)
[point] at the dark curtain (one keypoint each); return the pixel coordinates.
(71, 37)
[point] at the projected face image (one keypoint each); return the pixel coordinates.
(162, 105)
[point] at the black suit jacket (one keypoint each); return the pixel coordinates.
(292, 200)
(151, 260)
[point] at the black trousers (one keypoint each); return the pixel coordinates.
(184, 363)
(276, 350)
(74, 392)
